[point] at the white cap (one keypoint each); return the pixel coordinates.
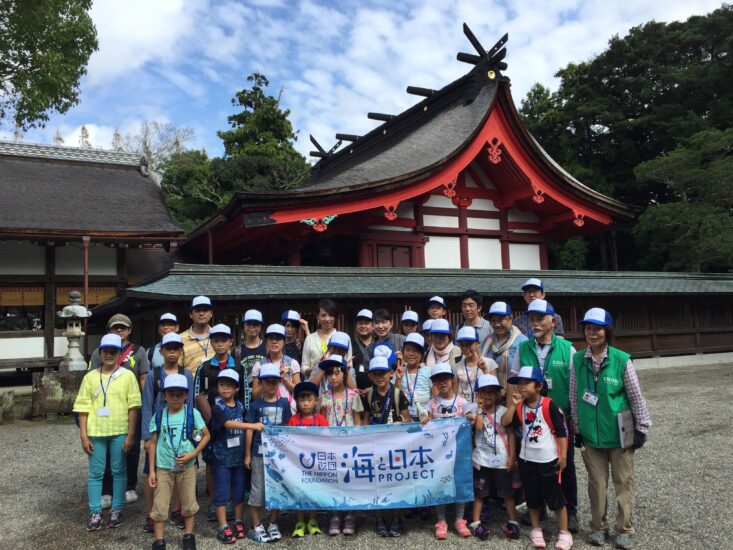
(168, 317)
(440, 326)
(252, 315)
(410, 316)
(597, 316)
(175, 382)
(339, 340)
(533, 282)
(488, 381)
(275, 330)
(426, 325)
(437, 300)
(500, 308)
(440, 368)
(201, 301)
(416, 339)
(269, 370)
(541, 306)
(467, 334)
(365, 314)
(290, 315)
(171, 338)
(220, 329)
(383, 351)
(230, 374)
(111, 341)
(332, 360)
(378, 362)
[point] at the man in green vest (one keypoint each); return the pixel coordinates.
(612, 420)
(551, 355)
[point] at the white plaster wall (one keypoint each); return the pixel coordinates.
(524, 256)
(483, 223)
(528, 231)
(440, 221)
(484, 253)
(22, 258)
(70, 260)
(443, 252)
(32, 346)
(440, 201)
(516, 215)
(485, 205)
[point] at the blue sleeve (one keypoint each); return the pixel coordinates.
(148, 405)
(218, 418)
(252, 412)
(287, 413)
(190, 397)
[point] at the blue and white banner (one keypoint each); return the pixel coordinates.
(368, 467)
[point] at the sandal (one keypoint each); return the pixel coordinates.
(538, 540)
(564, 541)
(461, 526)
(441, 530)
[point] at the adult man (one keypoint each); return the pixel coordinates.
(532, 290)
(503, 346)
(552, 355)
(471, 306)
(167, 323)
(359, 343)
(134, 358)
(196, 346)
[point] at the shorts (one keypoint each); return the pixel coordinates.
(185, 482)
(228, 484)
(542, 485)
(257, 493)
(483, 478)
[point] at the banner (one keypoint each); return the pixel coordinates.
(368, 467)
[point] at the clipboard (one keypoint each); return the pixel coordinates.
(625, 428)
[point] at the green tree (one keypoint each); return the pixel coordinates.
(190, 189)
(44, 49)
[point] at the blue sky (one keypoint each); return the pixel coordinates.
(182, 61)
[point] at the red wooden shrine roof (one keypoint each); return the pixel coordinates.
(472, 123)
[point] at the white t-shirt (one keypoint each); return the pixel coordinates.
(282, 390)
(492, 444)
(538, 442)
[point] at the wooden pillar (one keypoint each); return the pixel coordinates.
(504, 228)
(210, 241)
(294, 256)
(544, 263)
(463, 226)
(365, 257)
(49, 301)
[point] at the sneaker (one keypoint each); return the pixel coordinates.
(511, 530)
(225, 535)
(381, 528)
(230, 511)
(441, 530)
(273, 531)
(598, 538)
(239, 529)
(299, 530)
(149, 526)
(189, 542)
(624, 541)
(349, 525)
(462, 528)
(131, 496)
(95, 521)
(258, 535)
(159, 544)
(480, 531)
(395, 530)
(313, 528)
(211, 512)
(106, 501)
(177, 519)
(572, 523)
(115, 519)
(334, 525)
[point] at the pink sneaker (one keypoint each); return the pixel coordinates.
(537, 538)
(441, 530)
(461, 526)
(564, 541)
(349, 525)
(334, 526)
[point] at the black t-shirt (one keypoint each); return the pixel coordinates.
(249, 356)
(376, 405)
(294, 350)
(361, 368)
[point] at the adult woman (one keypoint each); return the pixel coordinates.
(442, 349)
(607, 406)
(316, 343)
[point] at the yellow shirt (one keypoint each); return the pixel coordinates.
(123, 394)
(195, 351)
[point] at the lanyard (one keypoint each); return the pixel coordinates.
(449, 410)
(346, 407)
(205, 349)
(471, 385)
(547, 355)
(183, 430)
(595, 376)
(385, 405)
(531, 425)
(411, 392)
(109, 381)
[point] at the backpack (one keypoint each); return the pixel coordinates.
(158, 380)
(151, 352)
(189, 423)
(395, 397)
(211, 381)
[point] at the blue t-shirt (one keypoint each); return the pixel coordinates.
(172, 439)
(227, 445)
(270, 413)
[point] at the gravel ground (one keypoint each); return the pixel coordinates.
(684, 483)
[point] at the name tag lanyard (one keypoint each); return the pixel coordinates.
(183, 430)
(452, 408)
(385, 406)
(346, 407)
(109, 381)
(411, 392)
(471, 385)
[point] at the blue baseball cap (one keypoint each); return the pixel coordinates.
(171, 338)
(527, 373)
(386, 350)
(467, 334)
(410, 317)
(436, 300)
(333, 360)
(168, 317)
(275, 330)
(220, 330)
(542, 307)
(441, 368)
(339, 340)
(269, 370)
(416, 339)
(379, 363)
(201, 301)
(533, 283)
(597, 316)
(175, 382)
(290, 315)
(439, 326)
(488, 381)
(500, 308)
(253, 316)
(229, 374)
(111, 341)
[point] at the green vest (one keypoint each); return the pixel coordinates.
(599, 425)
(557, 368)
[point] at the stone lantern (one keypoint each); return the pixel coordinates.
(74, 314)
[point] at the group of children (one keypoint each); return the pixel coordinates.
(218, 412)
